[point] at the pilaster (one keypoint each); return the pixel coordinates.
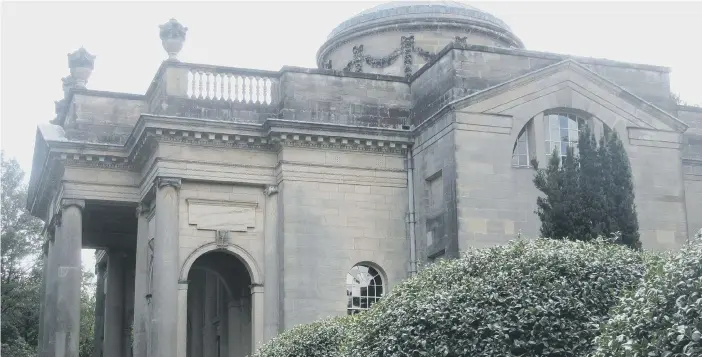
(257, 305)
(271, 264)
(182, 331)
(196, 322)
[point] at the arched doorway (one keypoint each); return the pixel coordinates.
(219, 318)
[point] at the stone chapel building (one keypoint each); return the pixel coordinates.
(228, 204)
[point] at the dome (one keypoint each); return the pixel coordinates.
(408, 10)
(374, 36)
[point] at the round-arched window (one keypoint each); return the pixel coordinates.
(364, 287)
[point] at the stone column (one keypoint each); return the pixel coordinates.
(41, 352)
(182, 332)
(271, 265)
(99, 329)
(42, 298)
(165, 268)
(140, 281)
(114, 304)
(256, 316)
(68, 246)
(49, 337)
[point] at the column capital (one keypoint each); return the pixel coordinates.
(168, 181)
(270, 190)
(143, 209)
(256, 288)
(69, 202)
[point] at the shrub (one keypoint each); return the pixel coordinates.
(663, 317)
(324, 338)
(527, 298)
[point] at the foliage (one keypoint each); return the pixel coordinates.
(21, 275)
(588, 195)
(527, 298)
(87, 314)
(18, 348)
(663, 317)
(324, 338)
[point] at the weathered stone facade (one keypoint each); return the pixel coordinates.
(229, 204)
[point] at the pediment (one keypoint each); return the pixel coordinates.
(569, 84)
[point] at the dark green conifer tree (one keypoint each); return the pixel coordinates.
(590, 194)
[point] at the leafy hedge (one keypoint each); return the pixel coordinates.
(322, 338)
(528, 298)
(663, 317)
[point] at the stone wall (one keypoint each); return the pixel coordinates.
(337, 209)
(432, 89)
(473, 68)
(237, 205)
(660, 193)
(495, 200)
(350, 99)
(692, 165)
(434, 155)
(102, 117)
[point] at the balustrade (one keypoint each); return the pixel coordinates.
(231, 85)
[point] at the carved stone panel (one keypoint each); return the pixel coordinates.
(229, 216)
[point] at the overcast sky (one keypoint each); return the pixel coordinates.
(36, 36)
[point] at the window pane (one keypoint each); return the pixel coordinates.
(573, 124)
(364, 287)
(564, 148)
(555, 134)
(564, 135)
(523, 160)
(564, 121)
(573, 135)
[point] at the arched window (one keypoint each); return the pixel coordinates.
(561, 130)
(522, 152)
(364, 287)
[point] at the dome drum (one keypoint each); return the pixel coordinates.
(434, 25)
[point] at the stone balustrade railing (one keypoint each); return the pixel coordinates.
(233, 85)
(214, 92)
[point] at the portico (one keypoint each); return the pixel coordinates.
(229, 204)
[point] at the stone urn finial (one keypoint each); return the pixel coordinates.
(68, 84)
(81, 64)
(172, 38)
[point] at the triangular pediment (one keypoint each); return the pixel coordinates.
(569, 84)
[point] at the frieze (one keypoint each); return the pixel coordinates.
(407, 48)
(97, 161)
(339, 146)
(151, 137)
